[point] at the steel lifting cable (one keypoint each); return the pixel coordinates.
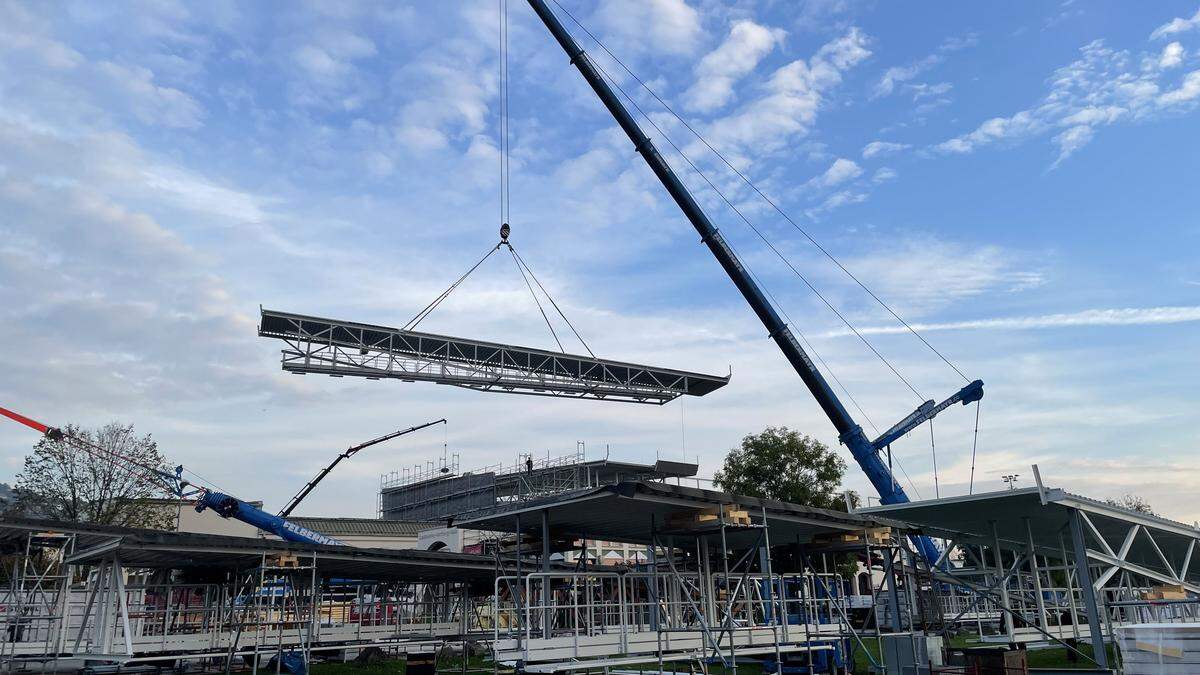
(757, 191)
(937, 490)
(758, 232)
(535, 300)
(974, 446)
(803, 338)
(505, 175)
(832, 375)
(144, 471)
(412, 323)
(551, 299)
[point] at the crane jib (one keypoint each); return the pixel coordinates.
(850, 433)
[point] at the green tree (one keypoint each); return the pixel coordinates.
(1133, 503)
(786, 465)
(63, 481)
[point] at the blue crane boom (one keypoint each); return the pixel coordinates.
(232, 507)
(222, 504)
(849, 432)
(347, 454)
(927, 411)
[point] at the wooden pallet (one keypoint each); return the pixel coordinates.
(710, 517)
(875, 536)
(1166, 592)
(284, 560)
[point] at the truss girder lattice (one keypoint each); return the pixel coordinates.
(342, 348)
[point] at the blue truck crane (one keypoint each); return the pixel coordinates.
(231, 507)
(173, 483)
(222, 504)
(866, 453)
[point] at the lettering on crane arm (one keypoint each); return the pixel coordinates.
(803, 354)
(315, 536)
(720, 241)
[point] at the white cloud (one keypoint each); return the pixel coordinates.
(332, 54)
(1102, 87)
(19, 31)
(883, 175)
(998, 128)
(327, 72)
(1149, 316)
(839, 172)
(716, 73)
(792, 97)
(670, 26)
(836, 200)
(922, 90)
(1176, 26)
(1188, 90)
(922, 274)
(896, 75)
(1071, 140)
(1172, 55)
(875, 148)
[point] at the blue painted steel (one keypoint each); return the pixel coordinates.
(232, 507)
(850, 433)
(927, 411)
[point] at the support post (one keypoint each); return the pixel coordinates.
(728, 590)
(1083, 576)
(889, 570)
(122, 604)
(998, 555)
(777, 613)
(1037, 575)
(546, 615)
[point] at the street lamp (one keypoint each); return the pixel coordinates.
(1011, 479)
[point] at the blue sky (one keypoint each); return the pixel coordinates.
(1018, 179)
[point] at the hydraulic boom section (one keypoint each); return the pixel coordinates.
(926, 411)
(173, 483)
(850, 433)
(347, 454)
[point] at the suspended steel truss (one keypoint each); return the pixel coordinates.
(344, 348)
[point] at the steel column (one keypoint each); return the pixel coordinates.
(1083, 576)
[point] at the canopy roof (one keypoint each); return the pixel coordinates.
(179, 550)
(1157, 547)
(633, 511)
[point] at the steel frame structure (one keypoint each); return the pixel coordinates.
(128, 615)
(708, 593)
(1109, 556)
(689, 603)
(439, 491)
(33, 600)
(79, 592)
(344, 348)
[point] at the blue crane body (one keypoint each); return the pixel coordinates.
(865, 453)
(232, 507)
(222, 504)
